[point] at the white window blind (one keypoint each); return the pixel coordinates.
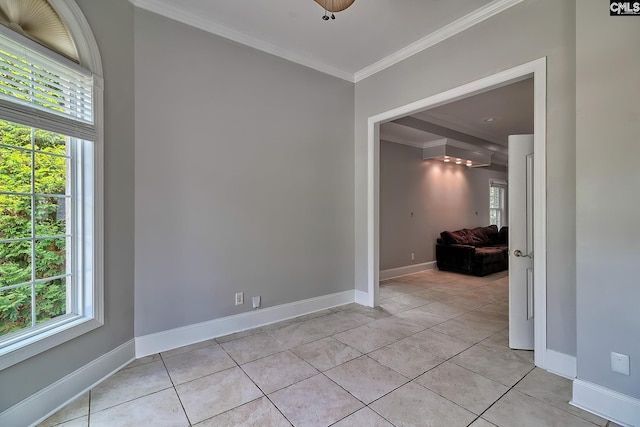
(39, 91)
(497, 202)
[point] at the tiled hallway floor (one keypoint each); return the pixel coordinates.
(434, 354)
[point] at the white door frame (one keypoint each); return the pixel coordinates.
(536, 69)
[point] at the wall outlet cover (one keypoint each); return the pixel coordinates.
(620, 363)
(240, 298)
(256, 302)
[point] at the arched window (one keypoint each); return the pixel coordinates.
(50, 177)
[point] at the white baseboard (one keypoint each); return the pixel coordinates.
(606, 403)
(361, 298)
(560, 364)
(50, 399)
(178, 337)
(407, 269)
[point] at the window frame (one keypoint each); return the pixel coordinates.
(502, 209)
(89, 170)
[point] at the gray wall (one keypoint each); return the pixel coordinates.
(608, 177)
(525, 32)
(441, 196)
(244, 177)
(112, 25)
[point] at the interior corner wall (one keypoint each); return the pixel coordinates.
(525, 32)
(420, 198)
(608, 235)
(112, 25)
(244, 177)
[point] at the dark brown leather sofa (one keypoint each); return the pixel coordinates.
(477, 251)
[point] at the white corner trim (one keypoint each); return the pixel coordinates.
(561, 364)
(606, 403)
(407, 269)
(361, 298)
(181, 14)
(436, 37)
(178, 337)
(50, 399)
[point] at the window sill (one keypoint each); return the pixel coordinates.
(24, 349)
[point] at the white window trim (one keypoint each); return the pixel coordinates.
(56, 334)
(499, 183)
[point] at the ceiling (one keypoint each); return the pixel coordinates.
(367, 37)
(484, 121)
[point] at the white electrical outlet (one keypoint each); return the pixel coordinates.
(620, 363)
(240, 298)
(413, 256)
(256, 302)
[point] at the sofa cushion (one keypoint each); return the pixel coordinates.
(488, 250)
(487, 236)
(458, 237)
(479, 236)
(489, 260)
(492, 234)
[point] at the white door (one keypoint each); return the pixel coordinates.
(521, 242)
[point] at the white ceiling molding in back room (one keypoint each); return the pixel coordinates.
(351, 47)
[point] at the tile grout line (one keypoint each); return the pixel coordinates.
(89, 409)
(175, 390)
(366, 405)
(278, 409)
(251, 379)
(503, 394)
(554, 406)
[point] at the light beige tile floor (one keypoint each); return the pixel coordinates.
(435, 353)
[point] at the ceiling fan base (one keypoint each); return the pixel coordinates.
(335, 5)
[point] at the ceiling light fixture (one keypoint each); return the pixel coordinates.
(333, 6)
(490, 119)
(450, 151)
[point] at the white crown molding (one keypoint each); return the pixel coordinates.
(397, 140)
(174, 12)
(444, 141)
(460, 128)
(211, 26)
(436, 143)
(436, 37)
(458, 144)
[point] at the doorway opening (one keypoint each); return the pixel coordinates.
(535, 70)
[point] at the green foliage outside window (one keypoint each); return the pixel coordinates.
(18, 163)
